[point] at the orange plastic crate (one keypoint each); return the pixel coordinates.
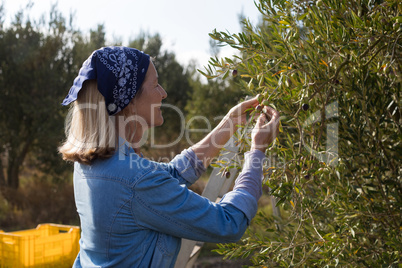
(49, 245)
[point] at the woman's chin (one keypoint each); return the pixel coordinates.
(158, 122)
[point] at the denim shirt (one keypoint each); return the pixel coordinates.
(134, 211)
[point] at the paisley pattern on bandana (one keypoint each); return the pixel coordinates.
(119, 72)
(125, 71)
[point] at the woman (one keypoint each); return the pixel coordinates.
(134, 211)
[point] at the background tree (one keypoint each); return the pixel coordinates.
(38, 62)
(34, 73)
(333, 70)
(209, 103)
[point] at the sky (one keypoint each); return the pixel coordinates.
(184, 25)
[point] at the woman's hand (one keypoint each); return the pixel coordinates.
(208, 148)
(237, 114)
(265, 130)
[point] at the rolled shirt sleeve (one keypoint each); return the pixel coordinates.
(250, 179)
(248, 185)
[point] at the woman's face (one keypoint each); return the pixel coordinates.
(148, 103)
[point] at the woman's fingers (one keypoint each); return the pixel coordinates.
(251, 102)
(248, 104)
(266, 129)
(261, 120)
(242, 107)
(272, 113)
(270, 116)
(274, 119)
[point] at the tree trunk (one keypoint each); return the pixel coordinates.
(13, 178)
(15, 162)
(2, 177)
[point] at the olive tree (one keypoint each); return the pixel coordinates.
(332, 68)
(38, 62)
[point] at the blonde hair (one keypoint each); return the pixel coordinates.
(90, 131)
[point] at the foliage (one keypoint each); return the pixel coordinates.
(333, 70)
(29, 113)
(209, 103)
(38, 61)
(39, 200)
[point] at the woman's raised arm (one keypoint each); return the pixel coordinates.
(208, 148)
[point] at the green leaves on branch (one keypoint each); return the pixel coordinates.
(333, 70)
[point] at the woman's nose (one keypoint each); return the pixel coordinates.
(162, 92)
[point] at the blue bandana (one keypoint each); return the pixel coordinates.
(119, 72)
